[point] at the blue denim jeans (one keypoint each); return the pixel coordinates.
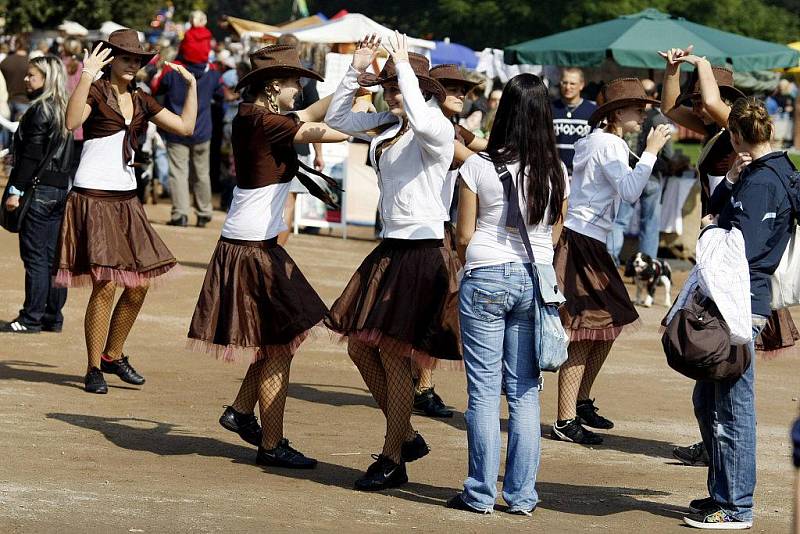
(496, 308)
(161, 167)
(726, 414)
(649, 222)
(38, 239)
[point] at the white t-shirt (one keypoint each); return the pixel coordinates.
(492, 243)
(101, 166)
(256, 214)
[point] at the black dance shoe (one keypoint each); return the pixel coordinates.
(414, 449)
(429, 404)
(180, 220)
(244, 424)
(587, 415)
(382, 474)
(572, 430)
(122, 369)
(94, 381)
(202, 221)
(284, 456)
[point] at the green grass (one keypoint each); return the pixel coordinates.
(693, 150)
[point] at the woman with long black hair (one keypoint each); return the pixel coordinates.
(43, 152)
(500, 296)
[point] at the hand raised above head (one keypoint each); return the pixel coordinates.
(99, 58)
(674, 54)
(366, 51)
(398, 49)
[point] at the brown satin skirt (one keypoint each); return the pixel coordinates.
(254, 301)
(405, 290)
(598, 306)
(779, 334)
(105, 235)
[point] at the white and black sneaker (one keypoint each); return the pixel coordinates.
(16, 327)
(382, 474)
(572, 430)
(716, 520)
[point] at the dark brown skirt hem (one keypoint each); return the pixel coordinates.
(233, 353)
(376, 338)
(122, 278)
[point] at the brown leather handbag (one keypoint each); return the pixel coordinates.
(697, 343)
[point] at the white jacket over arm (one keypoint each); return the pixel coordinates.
(433, 130)
(340, 115)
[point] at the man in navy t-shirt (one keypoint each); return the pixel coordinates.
(571, 114)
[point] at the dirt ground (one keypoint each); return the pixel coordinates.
(156, 460)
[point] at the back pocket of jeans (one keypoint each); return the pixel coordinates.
(489, 305)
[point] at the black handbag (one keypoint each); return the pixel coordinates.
(12, 220)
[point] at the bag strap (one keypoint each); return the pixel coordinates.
(514, 218)
(791, 190)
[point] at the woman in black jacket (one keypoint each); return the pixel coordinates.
(42, 151)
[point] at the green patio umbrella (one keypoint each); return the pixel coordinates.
(634, 41)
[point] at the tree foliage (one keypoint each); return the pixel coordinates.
(476, 23)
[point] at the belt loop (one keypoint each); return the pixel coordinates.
(507, 269)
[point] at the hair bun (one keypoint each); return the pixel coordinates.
(749, 119)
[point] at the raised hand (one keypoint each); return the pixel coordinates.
(399, 49)
(674, 54)
(657, 138)
(99, 58)
(185, 74)
(366, 51)
(743, 159)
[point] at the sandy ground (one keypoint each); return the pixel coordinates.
(155, 459)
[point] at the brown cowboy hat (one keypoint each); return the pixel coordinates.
(450, 73)
(276, 61)
(420, 66)
(724, 77)
(620, 93)
(126, 41)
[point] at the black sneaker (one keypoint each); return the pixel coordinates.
(246, 425)
(16, 327)
(587, 415)
(414, 449)
(54, 328)
(457, 503)
(202, 221)
(572, 430)
(699, 506)
(693, 455)
(94, 381)
(284, 456)
(428, 403)
(382, 474)
(122, 369)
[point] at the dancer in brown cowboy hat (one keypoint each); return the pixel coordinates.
(597, 306)
(106, 240)
(254, 300)
(401, 304)
(703, 106)
(426, 401)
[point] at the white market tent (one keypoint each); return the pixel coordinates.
(71, 27)
(352, 28)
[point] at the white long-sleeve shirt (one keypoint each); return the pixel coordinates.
(412, 172)
(601, 178)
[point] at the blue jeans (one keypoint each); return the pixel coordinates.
(38, 239)
(161, 167)
(726, 414)
(649, 222)
(496, 306)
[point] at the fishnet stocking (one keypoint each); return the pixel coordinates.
(125, 313)
(424, 378)
(387, 372)
(593, 365)
(273, 386)
(570, 377)
(399, 398)
(248, 392)
(95, 322)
